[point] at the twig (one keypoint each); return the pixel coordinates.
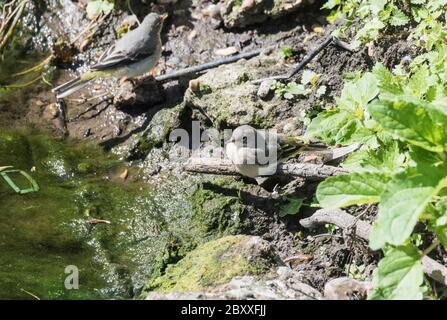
(344, 220)
(38, 66)
(296, 68)
(218, 166)
(210, 65)
(30, 293)
(17, 17)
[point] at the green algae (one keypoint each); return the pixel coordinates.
(42, 233)
(152, 224)
(210, 264)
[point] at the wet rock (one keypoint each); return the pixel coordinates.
(161, 124)
(282, 284)
(147, 93)
(228, 98)
(215, 263)
(346, 289)
(237, 13)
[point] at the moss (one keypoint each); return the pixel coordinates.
(15, 150)
(216, 213)
(213, 263)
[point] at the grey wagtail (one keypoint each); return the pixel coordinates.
(256, 153)
(136, 53)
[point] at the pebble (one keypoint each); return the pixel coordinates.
(226, 51)
(264, 89)
(212, 10)
(346, 289)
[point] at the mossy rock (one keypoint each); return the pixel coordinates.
(216, 262)
(228, 98)
(241, 13)
(158, 130)
(216, 213)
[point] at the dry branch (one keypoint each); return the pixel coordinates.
(344, 220)
(309, 171)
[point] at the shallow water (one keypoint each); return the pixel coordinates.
(44, 232)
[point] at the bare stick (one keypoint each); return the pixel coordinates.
(329, 40)
(210, 65)
(309, 171)
(344, 220)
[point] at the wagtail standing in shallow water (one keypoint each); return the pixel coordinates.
(135, 54)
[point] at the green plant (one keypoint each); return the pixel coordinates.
(401, 119)
(285, 53)
(371, 18)
(290, 90)
(98, 7)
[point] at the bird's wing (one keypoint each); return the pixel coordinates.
(133, 46)
(116, 58)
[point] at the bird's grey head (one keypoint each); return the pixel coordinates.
(243, 134)
(153, 22)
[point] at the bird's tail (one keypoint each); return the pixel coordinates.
(70, 87)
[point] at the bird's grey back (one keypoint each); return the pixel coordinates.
(134, 39)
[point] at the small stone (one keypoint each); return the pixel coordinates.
(212, 10)
(124, 174)
(194, 85)
(264, 89)
(226, 51)
(346, 289)
(192, 35)
(51, 110)
(318, 29)
(147, 93)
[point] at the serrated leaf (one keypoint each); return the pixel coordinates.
(398, 18)
(420, 82)
(412, 121)
(399, 275)
(404, 200)
(96, 7)
(386, 159)
(387, 82)
(357, 94)
(355, 188)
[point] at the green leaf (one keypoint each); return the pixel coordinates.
(420, 82)
(291, 207)
(355, 188)
(412, 121)
(285, 52)
(387, 159)
(96, 7)
(399, 275)
(356, 94)
(404, 200)
(387, 82)
(398, 18)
